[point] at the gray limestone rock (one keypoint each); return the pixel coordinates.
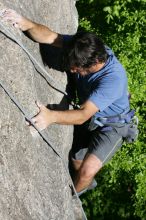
(34, 183)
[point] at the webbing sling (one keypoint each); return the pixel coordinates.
(28, 118)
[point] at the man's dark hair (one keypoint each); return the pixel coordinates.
(83, 50)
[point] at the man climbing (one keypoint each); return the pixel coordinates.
(102, 121)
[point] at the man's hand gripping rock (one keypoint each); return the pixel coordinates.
(16, 19)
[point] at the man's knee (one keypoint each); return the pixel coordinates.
(90, 166)
(76, 163)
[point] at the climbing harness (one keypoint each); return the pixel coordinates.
(128, 118)
(44, 74)
(125, 117)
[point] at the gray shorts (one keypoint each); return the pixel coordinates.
(103, 144)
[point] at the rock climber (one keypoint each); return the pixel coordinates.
(102, 122)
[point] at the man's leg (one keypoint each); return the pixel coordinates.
(76, 164)
(79, 149)
(101, 148)
(87, 169)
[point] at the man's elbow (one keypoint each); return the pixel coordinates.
(87, 110)
(80, 122)
(83, 119)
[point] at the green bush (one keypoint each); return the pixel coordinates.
(121, 190)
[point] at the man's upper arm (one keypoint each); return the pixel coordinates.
(57, 40)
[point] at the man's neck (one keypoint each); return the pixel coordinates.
(97, 67)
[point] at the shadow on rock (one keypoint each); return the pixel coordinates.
(63, 105)
(52, 56)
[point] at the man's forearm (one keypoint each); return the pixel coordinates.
(69, 117)
(75, 117)
(46, 116)
(38, 32)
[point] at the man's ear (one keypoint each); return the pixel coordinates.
(97, 62)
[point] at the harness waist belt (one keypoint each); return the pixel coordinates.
(106, 123)
(121, 118)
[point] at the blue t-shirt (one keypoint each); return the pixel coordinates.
(106, 88)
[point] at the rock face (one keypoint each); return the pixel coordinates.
(33, 181)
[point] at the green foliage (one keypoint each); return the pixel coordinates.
(121, 190)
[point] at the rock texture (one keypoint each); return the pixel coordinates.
(33, 181)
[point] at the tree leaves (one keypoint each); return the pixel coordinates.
(121, 190)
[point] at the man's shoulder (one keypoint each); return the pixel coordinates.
(114, 67)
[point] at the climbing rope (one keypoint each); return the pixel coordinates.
(37, 65)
